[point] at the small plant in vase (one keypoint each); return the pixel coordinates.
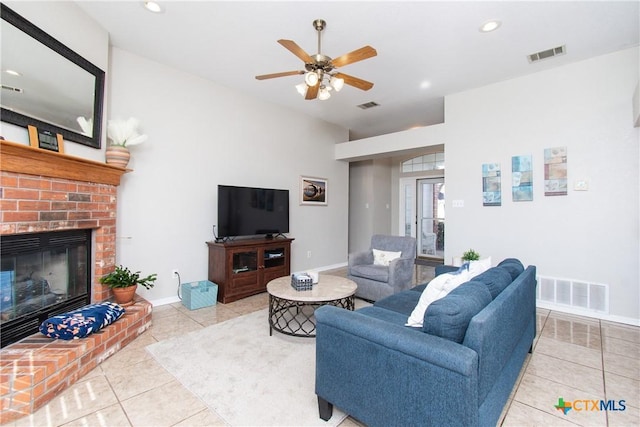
(122, 134)
(470, 255)
(123, 282)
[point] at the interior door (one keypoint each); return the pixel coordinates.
(430, 198)
(422, 214)
(407, 211)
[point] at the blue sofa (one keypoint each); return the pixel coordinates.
(458, 370)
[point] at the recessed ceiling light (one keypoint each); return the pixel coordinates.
(153, 6)
(490, 26)
(425, 84)
(13, 73)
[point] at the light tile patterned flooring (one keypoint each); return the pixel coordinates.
(574, 357)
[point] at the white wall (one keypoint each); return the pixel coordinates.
(587, 235)
(68, 24)
(369, 202)
(586, 107)
(201, 135)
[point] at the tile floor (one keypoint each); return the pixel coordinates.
(574, 357)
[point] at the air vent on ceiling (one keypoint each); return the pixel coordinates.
(549, 53)
(11, 88)
(368, 105)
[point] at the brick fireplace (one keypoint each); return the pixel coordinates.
(46, 191)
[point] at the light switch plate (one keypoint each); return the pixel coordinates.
(581, 185)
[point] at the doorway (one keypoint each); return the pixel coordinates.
(422, 215)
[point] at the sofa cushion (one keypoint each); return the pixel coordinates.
(383, 258)
(513, 266)
(479, 267)
(419, 288)
(438, 288)
(496, 279)
(384, 314)
(401, 302)
(449, 317)
(373, 272)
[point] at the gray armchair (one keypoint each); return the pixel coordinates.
(377, 281)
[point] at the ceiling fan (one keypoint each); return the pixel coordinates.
(321, 76)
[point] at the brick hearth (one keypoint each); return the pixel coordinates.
(46, 191)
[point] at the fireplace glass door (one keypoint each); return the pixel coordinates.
(41, 275)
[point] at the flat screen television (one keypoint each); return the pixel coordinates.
(249, 211)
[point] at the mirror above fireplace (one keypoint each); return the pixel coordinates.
(50, 86)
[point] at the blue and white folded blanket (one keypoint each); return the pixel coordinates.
(82, 322)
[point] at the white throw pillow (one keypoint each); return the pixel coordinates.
(478, 267)
(438, 288)
(384, 257)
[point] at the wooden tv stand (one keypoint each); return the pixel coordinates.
(243, 267)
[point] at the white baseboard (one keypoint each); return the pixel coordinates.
(165, 301)
(586, 313)
(174, 299)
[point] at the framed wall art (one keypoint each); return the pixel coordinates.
(491, 186)
(521, 178)
(555, 171)
(314, 191)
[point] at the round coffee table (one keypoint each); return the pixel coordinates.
(291, 312)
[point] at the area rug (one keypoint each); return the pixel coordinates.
(246, 376)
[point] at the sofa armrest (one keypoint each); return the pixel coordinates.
(386, 374)
(360, 258)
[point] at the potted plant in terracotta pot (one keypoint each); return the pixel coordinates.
(124, 283)
(122, 134)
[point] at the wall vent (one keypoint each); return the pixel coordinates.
(549, 53)
(579, 295)
(368, 105)
(13, 89)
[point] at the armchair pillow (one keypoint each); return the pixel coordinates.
(438, 288)
(384, 258)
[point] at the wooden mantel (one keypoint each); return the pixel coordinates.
(25, 159)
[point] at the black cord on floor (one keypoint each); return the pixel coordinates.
(179, 286)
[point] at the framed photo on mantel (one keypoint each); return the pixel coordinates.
(45, 139)
(314, 191)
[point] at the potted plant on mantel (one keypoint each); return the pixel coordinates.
(121, 134)
(124, 283)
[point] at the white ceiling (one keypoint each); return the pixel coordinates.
(424, 41)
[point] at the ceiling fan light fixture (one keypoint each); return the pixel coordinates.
(311, 78)
(319, 77)
(302, 88)
(337, 83)
(324, 94)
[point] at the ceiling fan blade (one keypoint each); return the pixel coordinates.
(355, 82)
(312, 92)
(296, 50)
(283, 74)
(355, 56)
